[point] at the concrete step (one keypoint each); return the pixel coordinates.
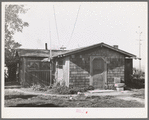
(100, 91)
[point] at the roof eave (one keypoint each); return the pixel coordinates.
(89, 47)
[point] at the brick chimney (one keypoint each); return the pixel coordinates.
(115, 46)
(46, 46)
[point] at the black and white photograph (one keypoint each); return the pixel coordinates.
(74, 59)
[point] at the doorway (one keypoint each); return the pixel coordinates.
(98, 72)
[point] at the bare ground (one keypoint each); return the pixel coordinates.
(28, 98)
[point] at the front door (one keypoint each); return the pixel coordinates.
(98, 73)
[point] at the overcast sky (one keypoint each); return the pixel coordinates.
(114, 23)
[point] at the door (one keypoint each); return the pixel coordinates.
(98, 73)
(128, 70)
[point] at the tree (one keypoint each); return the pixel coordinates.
(13, 24)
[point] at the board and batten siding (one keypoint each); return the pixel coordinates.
(33, 71)
(62, 71)
(66, 71)
(80, 66)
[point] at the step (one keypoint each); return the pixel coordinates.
(100, 91)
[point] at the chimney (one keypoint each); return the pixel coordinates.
(46, 46)
(115, 46)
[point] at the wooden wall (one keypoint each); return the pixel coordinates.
(66, 71)
(80, 66)
(62, 71)
(33, 71)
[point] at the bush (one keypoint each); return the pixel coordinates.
(63, 83)
(62, 89)
(57, 84)
(37, 87)
(72, 91)
(75, 90)
(90, 87)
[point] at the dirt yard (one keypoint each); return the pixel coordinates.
(25, 98)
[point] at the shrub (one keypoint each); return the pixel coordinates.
(62, 90)
(72, 91)
(36, 87)
(63, 83)
(48, 87)
(57, 84)
(106, 87)
(90, 87)
(75, 90)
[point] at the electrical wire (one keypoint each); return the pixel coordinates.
(56, 25)
(73, 27)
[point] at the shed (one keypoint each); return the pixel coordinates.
(30, 67)
(97, 65)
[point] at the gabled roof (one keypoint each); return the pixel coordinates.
(37, 52)
(70, 52)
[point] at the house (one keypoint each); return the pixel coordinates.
(30, 68)
(97, 65)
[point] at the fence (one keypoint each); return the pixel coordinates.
(37, 72)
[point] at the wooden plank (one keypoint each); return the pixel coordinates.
(38, 75)
(39, 70)
(38, 61)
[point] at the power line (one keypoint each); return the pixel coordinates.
(50, 57)
(73, 27)
(56, 25)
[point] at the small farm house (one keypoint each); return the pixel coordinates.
(97, 65)
(30, 67)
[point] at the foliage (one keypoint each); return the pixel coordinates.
(73, 90)
(61, 88)
(137, 79)
(137, 74)
(90, 87)
(57, 84)
(38, 87)
(13, 24)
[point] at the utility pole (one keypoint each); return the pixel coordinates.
(50, 56)
(50, 61)
(139, 47)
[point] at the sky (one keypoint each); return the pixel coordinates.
(114, 23)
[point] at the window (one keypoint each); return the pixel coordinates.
(60, 64)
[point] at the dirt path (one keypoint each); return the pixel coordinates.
(113, 93)
(34, 93)
(126, 95)
(142, 101)
(28, 98)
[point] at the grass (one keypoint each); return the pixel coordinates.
(138, 93)
(16, 99)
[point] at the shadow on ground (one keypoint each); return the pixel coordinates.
(35, 105)
(7, 97)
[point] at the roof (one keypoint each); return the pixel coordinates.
(37, 52)
(70, 52)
